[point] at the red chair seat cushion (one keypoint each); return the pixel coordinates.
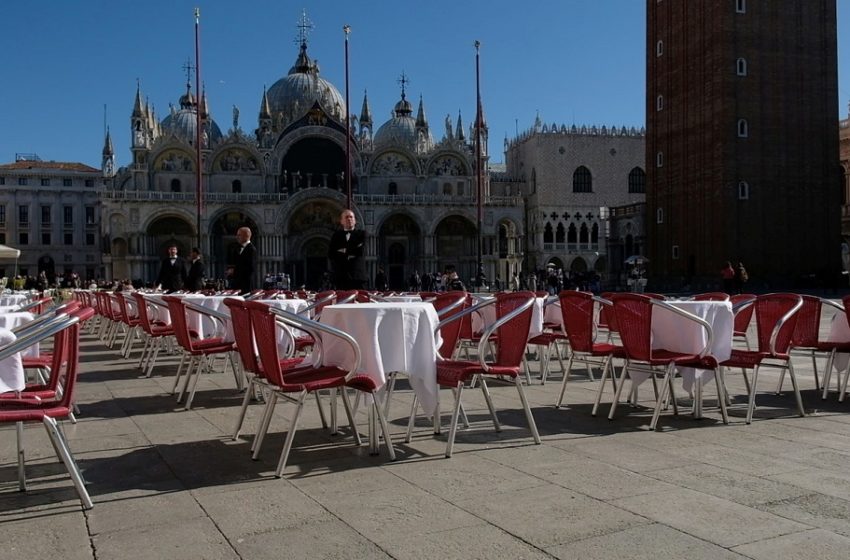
(546, 338)
(450, 373)
(663, 357)
(749, 359)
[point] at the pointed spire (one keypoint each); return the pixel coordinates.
(421, 121)
(108, 150)
(365, 112)
(203, 108)
(265, 109)
(138, 106)
(459, 134)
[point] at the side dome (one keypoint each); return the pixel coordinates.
(184, 123)
(293, 95)
(402, 131)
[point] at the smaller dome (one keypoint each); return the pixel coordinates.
(184, 123)
(401, 130)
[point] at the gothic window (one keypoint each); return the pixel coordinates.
(659, 159)
(582, 180)
(460, 188)
(560, 234)
(659, 103)
(741, 6)
(45, 182)
(175, 185)
(572, 234)
(594, 234)
(583, 235)
(236, 186)
(659, 216)
(392, 188)
(447, 189)
(547, 233)
(741, 67)
(743, 128)
(659, 48)
(637, 181)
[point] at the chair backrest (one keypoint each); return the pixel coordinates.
(652, 295)
(243, 333)
(712, 296)
(447, 306)
(774, 324)
(142, 307)
(808, 323)
(352, 296)
(322, 300)
(513, 335)
(265, 334)
(633, 314)
(744, 314)
(177, 310)
(577, 311)
(607, 320)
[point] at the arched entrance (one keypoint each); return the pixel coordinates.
(313, 162)
(120, 270)
(578, 265)
(399, 247)
(310, 230)
(165, 231)
(456, 245)
(223, 244)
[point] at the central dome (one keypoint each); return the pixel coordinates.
(402, 130)
(293, 95)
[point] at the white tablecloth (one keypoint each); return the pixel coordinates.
(403, 298)
(676, 333)
(392, 337)
(15, 300)
(12, 321)
(486, 316)
(839, 331)
(11, 370)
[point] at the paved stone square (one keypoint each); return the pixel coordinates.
(167, 483)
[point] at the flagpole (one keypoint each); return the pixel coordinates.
(199, 125)
(347, 30)
(480, 191)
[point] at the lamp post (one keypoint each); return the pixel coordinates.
(347, 30)
(479, 190)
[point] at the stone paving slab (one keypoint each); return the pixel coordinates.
(173, 483)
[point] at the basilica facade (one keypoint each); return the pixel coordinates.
(415, 195)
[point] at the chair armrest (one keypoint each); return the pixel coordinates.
(468, 311)
(831, 303)
(46, 331)
(213, 314)
(776, 328)
(309, 325)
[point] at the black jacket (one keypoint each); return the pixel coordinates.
(195, 279)
(172, 276)
(243, 269)
(346, 256)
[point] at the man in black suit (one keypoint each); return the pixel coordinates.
(195, 279)
(246, 262)
(172, 271)
(346, 254)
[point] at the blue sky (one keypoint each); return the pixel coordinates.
(574, 61)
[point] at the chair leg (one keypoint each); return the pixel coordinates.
(204, 360)
(721, 396)
(65, 456)
(411, 419)
(290, 435)
(453, 427)
(271, 402)
(797, 390)
(815, 370)
(180, 371)
(390, 389)
(781, 381)
(321, 411)
(532, 425)
(659, 402)
(752, 404)
(384, 427)
(346, 404)
(599, 392)
(619, 391)
(828, 373)
(489, 401)
(564, 384)
(22, 473)
(242, 410)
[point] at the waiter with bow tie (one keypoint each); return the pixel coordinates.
(246, 262)
(346, 254)
(172, 272)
